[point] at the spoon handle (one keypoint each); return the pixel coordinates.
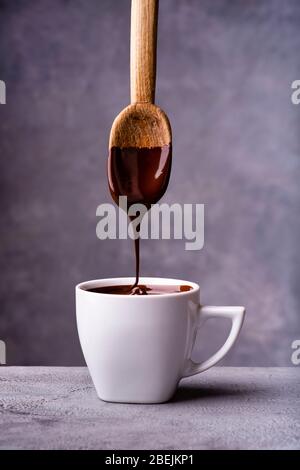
(144, 15)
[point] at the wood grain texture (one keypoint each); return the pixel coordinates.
(143, 39)
(142, 124)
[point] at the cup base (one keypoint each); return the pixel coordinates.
(136, 401)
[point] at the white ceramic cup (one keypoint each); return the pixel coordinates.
(137, 348)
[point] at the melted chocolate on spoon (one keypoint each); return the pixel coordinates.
(141, 174)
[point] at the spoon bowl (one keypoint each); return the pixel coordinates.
(140, 155)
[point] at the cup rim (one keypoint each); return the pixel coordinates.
(83, 286)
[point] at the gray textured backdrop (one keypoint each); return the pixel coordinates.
(224, 74)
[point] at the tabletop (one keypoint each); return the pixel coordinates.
(223, 408)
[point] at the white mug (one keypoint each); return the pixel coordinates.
(138, 347)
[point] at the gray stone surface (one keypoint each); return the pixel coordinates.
(224, 408)
(225, 69)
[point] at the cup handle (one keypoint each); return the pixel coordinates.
(236, 315)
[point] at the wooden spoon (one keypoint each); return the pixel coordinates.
(140, 139)
(140, 150)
